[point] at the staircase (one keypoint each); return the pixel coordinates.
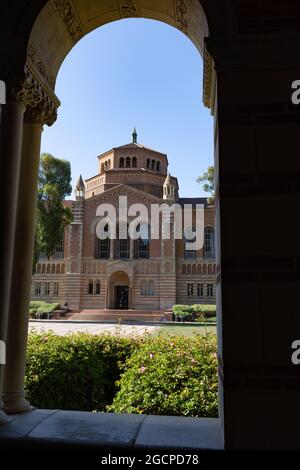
(122, 316)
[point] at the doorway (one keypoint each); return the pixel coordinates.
(121, 296)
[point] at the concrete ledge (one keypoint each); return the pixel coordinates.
(53, 429)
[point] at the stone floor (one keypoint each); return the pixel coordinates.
(64, 327)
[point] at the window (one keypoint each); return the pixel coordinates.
(90, 288)
(142, 244)
(128, 162)
(151, 290)
(97, 288)
(153, 165)
(38, 288)
(56, 288)
(209, 242)
(190, 290)
(134, 162)
(123, 248)
(143, 287)
(121, 162)
(189, 238)
(59, 252)
(148, 163)
(200, 290)
(47, 288)
(103, 246)
(147, 287)
(157, 166)
(210, 290)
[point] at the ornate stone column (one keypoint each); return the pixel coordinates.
(17, 328)
(11, 128)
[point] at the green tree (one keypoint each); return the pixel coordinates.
(54, 184)
(208, 178)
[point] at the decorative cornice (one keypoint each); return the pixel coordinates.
(182, 16)
(207, 78)
(128, 8)
(34, 58)
(67, 14)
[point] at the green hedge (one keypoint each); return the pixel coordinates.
(38, 307)
(170, 376)
(74, 372)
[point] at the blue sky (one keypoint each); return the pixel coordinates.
(129, 73)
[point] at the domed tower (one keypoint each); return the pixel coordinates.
(80, 189)
(170, 188)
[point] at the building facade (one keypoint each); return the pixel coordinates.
(147, 273)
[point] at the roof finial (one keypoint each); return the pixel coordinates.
(134, 136)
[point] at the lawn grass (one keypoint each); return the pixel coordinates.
(182, 330)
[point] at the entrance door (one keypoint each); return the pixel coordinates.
(122, 297)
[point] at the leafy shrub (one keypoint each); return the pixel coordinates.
(170, 376)
(206, 310)
(182, 309)
(39, 307)
(74, 372)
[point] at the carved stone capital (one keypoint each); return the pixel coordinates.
(41, 103)
(208, 79)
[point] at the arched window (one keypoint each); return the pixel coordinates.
(38, 268)
(151, 290)
(44, 268)
(143, 287)
(142, 244)
(102, 167)
(128, 162)
(62, 269)
(209, 242)
(157, 166)
(121, 162)
(97, 287)
(53, 268)
(148, 163)
(189, 239)
(153, 165)
(134, 162)
(48, 268)
(90, 288)
(108, 164)
(103, 246)
(57, 269)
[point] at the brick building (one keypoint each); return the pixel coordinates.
(123, 273)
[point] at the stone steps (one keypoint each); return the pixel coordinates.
(120, 315)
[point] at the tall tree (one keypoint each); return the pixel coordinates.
(208, 178)
(54, 185)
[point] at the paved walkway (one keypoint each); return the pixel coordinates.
(63, 328)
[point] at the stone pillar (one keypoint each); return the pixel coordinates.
(13, 385)
(257, 198)
(11, 129)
